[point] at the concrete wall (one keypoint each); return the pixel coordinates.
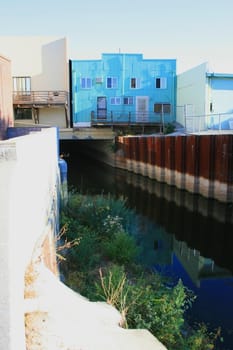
(28, 200)
(191, 97)
(45, 60)
(6, 109)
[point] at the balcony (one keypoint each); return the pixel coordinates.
(37, 99)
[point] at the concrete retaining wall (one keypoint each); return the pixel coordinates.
(29, 178)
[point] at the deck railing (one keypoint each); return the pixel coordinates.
(123, 117)
(37, 98)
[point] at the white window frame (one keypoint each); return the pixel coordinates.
(137, 83)
(115, 100)
(22, 84)
(128, 100)
(86, 83)
(161, 83)
(111, 82)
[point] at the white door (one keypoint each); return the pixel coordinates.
(142, 105)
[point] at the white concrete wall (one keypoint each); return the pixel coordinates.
(191, 96)
(28, 197)
(45, 60)
(40, 57)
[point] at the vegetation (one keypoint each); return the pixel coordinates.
(104, 266)
(169, 128)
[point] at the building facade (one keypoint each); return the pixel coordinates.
(40, 79)
(205, 99)
(123, 88)
(6, 109)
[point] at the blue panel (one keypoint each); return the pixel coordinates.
(222, 84)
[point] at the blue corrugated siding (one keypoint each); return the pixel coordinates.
(122, 68)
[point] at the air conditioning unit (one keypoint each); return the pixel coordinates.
(99, 80)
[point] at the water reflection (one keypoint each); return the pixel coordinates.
(205, 226)
(185, 235)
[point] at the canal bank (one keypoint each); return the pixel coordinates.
(199, 164)
(193, 234)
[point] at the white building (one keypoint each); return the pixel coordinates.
(40, 79)
(204, 99)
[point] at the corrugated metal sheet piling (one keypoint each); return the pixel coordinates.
(201, 164)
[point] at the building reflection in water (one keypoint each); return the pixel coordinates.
(199, 231)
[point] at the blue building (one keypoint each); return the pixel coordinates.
(123, 88)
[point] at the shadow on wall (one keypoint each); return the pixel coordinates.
(4, 124)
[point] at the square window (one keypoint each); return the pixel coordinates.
(115, 100)
(134, 83)
(86, 83)
(112, 82)
(128, 100)
(161, 83)
(162, 108)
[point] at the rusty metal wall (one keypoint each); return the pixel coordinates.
(198, 163)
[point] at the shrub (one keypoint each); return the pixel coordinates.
(121, 249)
(103, 266)
(168, 128)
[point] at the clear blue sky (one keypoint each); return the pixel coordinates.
(192, 32)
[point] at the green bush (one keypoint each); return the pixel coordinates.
(168, 128)
(121, 249)
(103, 266)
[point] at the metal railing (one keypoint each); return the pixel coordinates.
(38, 98)
(127, 117)
(214, 122)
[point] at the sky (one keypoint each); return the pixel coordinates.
(192, 32)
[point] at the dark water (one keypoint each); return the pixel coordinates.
(183, 235)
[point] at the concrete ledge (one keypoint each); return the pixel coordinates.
(64, 319)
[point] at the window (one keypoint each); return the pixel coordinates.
(162, 108)
(86, 83)
(128, 100)
(161, 83)
(115, 100)
(22, 84)
(22, 113)
(134, 83)
(112, 83)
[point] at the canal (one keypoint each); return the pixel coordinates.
(183, 235)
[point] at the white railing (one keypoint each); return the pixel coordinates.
(214, 122)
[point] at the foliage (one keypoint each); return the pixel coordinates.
(168, 128)
(104, 266)
(121, 248)
(101, 213)
(159, 310)
(113, 287)
(201, 338)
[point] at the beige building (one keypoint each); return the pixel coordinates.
(6, 110)
(40, 79)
